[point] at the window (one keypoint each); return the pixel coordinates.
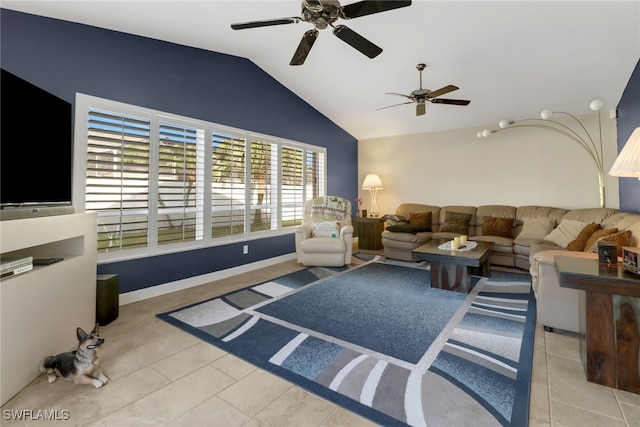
(162, 183)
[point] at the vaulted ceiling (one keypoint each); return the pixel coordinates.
(510, 58)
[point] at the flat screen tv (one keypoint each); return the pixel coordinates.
(36, 146)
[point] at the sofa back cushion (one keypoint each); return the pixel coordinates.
(593, 215)
(525, 213)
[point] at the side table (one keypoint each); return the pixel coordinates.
(369, 232)
(610, 319)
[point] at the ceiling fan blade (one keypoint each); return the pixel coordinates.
(395, 105)
(308, 39)
(442, 91)
(420, 109)
(399, 94)
(362, 8)
(265, 23)
(358, 42)
(450, 101)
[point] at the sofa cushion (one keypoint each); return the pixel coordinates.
(495, 226)
(621, 238)
(535, 229)
(404, 240)
(581, 241)
(407, 228)
(325, 229)
(565, 232)
(456, 222)
(597, 235)
(421, 219)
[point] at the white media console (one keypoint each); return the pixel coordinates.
(41, 309)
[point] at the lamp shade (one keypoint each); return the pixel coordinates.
(372, 181)
(628, 162)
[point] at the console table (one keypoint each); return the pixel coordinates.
(610, 320)
(369, 232)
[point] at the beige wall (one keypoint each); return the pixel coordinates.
(524, 166)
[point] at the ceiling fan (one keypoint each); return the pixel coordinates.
(423, 95)
(325, 13)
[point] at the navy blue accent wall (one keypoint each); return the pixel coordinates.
(64, 58)
(628, 120)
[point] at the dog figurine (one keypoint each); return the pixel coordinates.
(81, 365)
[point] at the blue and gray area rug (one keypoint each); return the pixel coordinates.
(378, 340)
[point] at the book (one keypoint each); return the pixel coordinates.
(17, 270)
(11, 262)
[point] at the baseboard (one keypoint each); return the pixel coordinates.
(178, 285)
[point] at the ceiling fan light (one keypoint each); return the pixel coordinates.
(504, 123)
(479, 134)
(596, 105)
(546, 114)
(486, 133)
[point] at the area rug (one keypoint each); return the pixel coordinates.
(379, 341)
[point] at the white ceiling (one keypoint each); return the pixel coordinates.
(510, 58)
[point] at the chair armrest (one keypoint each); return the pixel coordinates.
(303, 231)
(346, 230)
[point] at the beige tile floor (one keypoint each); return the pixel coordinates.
(163, 376)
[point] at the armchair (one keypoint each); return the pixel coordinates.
(325, 238)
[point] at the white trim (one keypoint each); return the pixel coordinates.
(178, 285)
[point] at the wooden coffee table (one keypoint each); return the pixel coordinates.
(450, 269)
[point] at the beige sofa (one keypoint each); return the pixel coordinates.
(526, 249)
(560, 307)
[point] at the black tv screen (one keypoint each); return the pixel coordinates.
(36, 145)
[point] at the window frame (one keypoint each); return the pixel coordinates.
(86, 102)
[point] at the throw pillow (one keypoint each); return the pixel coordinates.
(622, 238)
(537, 229)
(395, 219)
(456, 222)
(581, 241)
(325, 229)
(407, 228)
(421, 219)
(566, 232)
(496, 226)
(597, 235)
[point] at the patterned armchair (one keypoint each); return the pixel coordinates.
(325, 238)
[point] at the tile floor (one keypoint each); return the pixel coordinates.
(163, 376)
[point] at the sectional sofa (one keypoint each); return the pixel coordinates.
(526, 237)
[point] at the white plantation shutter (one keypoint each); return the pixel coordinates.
(228, 185)
(117, 178)
(145, 178)
(315, 174)
(180, 183)
(264, 175)
(292, 188)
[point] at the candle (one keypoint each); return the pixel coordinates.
(463, 240)
(455, 244)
